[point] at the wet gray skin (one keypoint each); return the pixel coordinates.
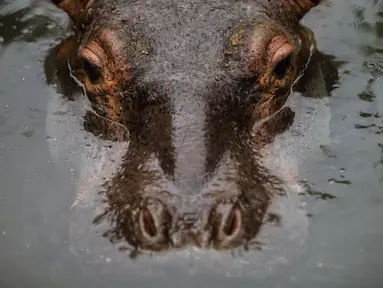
(181, 139)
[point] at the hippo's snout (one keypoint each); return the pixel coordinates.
(191, 86)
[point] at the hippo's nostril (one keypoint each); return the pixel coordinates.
(228, 229)
(151, 231)
(232, 223)
(151, 221)
(148, 223)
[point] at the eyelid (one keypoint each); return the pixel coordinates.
(91, 57)
(282, 53)
(279, 48)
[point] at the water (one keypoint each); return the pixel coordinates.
(37, 191)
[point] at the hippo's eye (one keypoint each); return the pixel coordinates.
(282, 57)
(92, 71)
(282, 67)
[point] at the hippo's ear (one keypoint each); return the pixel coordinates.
(301, 7)
(74, 8)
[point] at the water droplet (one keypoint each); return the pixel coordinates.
(295, 133)
(370, 65)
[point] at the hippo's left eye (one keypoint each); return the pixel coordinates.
(93, 72)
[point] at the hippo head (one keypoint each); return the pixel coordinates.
(192, 86)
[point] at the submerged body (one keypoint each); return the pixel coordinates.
(187, 101)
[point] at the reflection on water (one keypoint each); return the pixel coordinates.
(42, 166)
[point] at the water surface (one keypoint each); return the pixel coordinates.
(346, 178)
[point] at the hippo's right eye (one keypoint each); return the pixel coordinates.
(282, 67)
(282, 58)
(92, 71)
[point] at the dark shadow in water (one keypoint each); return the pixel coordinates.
(310, 191)
(21, 26)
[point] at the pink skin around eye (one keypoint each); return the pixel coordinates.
(279, 49)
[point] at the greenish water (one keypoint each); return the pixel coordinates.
(345, 230)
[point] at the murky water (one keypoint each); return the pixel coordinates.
(346, 206)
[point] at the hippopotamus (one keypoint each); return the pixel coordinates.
(179, 118)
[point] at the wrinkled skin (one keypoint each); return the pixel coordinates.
(196, 89)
